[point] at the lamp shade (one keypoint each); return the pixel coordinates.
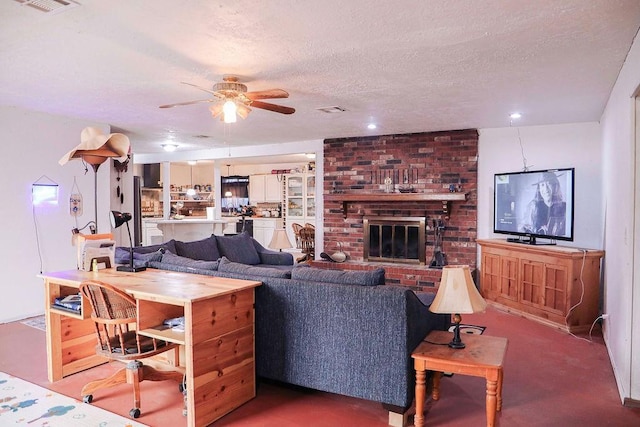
(119, 218)
(280, 240)
(457, 293)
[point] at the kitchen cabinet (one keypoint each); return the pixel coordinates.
(300, 201)
(263, 229)
(151, 234)
(265, 188)
(555, 285)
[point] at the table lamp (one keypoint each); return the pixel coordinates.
(457, 294)
(117, 219)
(280, 240)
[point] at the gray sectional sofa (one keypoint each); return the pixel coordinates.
(330, 330)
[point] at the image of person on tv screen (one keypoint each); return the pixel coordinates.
(546, 213)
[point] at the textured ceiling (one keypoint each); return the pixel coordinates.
(411, 66)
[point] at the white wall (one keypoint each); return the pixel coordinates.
(546, 147)
(31, 147)
(620, 194)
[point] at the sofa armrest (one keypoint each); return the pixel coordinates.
(267, 256)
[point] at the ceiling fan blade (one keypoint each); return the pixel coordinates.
(267, 94)
(273, 107)
(188, 103)
(212, 92)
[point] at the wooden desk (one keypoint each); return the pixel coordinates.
(218, 341)
(483, 356)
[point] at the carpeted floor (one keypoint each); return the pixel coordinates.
(23, 403)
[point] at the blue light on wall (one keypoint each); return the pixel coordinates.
(44, 193)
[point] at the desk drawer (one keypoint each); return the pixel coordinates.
(218, 316)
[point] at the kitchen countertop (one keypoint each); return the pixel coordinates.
(188, 221)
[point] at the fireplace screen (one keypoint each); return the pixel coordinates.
(395, 239)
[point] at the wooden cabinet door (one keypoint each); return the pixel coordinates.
(509, 278)
(532, 275)
(490, 282)
(556, 278)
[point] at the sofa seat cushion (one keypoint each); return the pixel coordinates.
(238, 248)
(363, 278)
(228, 266)
(205, 249)
(171, 258)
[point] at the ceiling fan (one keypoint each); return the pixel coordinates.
(231, 98)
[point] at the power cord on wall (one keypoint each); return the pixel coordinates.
(35, 225)
(566, 318)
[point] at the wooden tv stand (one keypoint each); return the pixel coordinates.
(548, 284)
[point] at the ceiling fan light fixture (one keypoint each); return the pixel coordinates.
(229, 110)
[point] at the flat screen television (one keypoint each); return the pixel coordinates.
(534, 204)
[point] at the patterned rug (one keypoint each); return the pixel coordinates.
(26, 404)
(469, 329)
(35, 322)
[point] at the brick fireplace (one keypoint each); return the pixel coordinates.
(425, 175)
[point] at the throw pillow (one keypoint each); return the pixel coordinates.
(362, 278)
(170, 246)
(253, 270)
(205, 249)
(170, 258)
(238, 248)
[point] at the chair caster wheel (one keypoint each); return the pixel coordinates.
(134, 413)
(88, 398)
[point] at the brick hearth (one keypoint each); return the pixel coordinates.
(433, 161)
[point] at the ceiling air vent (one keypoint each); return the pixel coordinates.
(49, 6)
(334, 109)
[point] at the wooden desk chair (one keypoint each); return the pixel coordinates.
(115, 318)
(308, 243)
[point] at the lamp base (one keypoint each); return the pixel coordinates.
(456, 342)
(457, 345)
(130, 269)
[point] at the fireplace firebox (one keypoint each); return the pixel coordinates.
(395, 239)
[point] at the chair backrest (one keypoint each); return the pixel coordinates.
(115, 318)
(307, 239)
(296, 231)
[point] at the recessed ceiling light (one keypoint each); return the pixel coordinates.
(169, 147)
(515, 115)
(371, 126)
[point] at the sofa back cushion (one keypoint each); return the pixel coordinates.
(205, 249)
(228, 266)
(183, 261)
(238, 248)
(169, 245)
(362, 278)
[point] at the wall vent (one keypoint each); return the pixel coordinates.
(49, 6)
(334, 109)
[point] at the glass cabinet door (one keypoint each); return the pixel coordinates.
(311, 196)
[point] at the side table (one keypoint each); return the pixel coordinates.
(483, 356)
